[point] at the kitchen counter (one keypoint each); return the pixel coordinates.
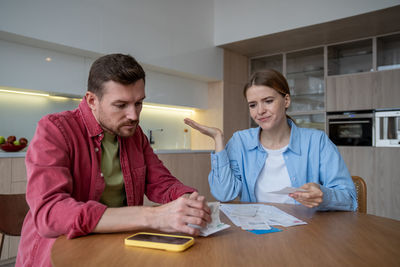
(161, 151)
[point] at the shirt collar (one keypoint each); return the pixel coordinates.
(294, 143)
(93, 127)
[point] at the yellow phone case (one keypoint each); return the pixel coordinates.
(167, 242)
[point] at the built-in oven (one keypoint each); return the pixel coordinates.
(352, 128)
(387, 128)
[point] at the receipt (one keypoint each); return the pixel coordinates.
(288, 190)
(215, 225)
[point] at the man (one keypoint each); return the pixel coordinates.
(89, 168)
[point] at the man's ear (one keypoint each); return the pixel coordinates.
(91, 100)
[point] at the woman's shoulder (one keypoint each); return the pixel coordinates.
(310, 131)
(247, 133)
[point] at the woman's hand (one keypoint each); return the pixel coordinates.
(212, 132)
(312, 198)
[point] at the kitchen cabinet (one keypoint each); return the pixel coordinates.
(388, 52)
(352, 57)
(386, 94)
(373, 90)
(269, 62)
(358, 160)
(380, 169)
(386, 182)
(12, 181)
(350, 92)
(305, 76)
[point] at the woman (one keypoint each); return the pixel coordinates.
(277, 154)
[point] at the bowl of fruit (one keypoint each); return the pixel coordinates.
(11, 144)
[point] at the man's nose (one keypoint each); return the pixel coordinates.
(132, 114)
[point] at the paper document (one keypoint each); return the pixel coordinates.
(215, 225)
(264, 216)
(288, 190)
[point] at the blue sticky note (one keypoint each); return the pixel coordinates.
(260, 232)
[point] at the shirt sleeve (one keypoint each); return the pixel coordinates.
(336, 184)
(161, 186)
(50, 187)
(225, 178)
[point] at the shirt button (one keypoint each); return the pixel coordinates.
(101, 174)
(100, 135)
(96, 149)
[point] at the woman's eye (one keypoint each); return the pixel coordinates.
(252, 105)
(269, 101)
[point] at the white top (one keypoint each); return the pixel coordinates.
(273, 177)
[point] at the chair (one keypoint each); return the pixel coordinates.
(361, 188)
(13, 209)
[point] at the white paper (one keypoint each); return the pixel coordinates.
(215, 225)
(288, 190)
(265, 216)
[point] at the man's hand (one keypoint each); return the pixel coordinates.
(174, 216)
(312, 198)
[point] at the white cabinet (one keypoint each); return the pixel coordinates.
(26, 67)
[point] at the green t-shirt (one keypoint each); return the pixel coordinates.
(114, 191)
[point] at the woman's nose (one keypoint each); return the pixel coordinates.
(260, 109)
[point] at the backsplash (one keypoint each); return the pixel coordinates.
(19, 115)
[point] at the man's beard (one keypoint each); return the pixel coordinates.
(117, 131)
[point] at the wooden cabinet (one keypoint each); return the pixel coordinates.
(386, 182)
(358, 161)
(12, 181)
(350, 92)
(380, 169)
(386, 94)
(372, 90)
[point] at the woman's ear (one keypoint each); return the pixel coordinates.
(287, 101)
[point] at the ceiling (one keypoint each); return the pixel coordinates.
(379, 22)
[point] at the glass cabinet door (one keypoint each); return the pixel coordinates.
(305, 76)
(269, 62)
(349, 58)
(316, 121)
(388, 52)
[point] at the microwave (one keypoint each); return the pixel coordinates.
(387, 128)
(351, 128)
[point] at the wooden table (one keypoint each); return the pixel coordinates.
(329, 239)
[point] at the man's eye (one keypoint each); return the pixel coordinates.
(138, 104)
(120, 105)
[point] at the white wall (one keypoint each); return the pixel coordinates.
(171, 34)
(237, 20)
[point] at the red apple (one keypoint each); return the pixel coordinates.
(23, 141)
(11, 139)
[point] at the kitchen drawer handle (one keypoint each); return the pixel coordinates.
(348, 122)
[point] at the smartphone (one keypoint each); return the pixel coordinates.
(160, 241)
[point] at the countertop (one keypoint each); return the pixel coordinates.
(161, 151)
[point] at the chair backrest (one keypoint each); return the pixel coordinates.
(361, 188)
(13, 209)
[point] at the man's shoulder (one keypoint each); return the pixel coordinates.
(63, 119)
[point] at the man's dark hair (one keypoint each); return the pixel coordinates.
(123, 69)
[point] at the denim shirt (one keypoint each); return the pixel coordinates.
(310, 157)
